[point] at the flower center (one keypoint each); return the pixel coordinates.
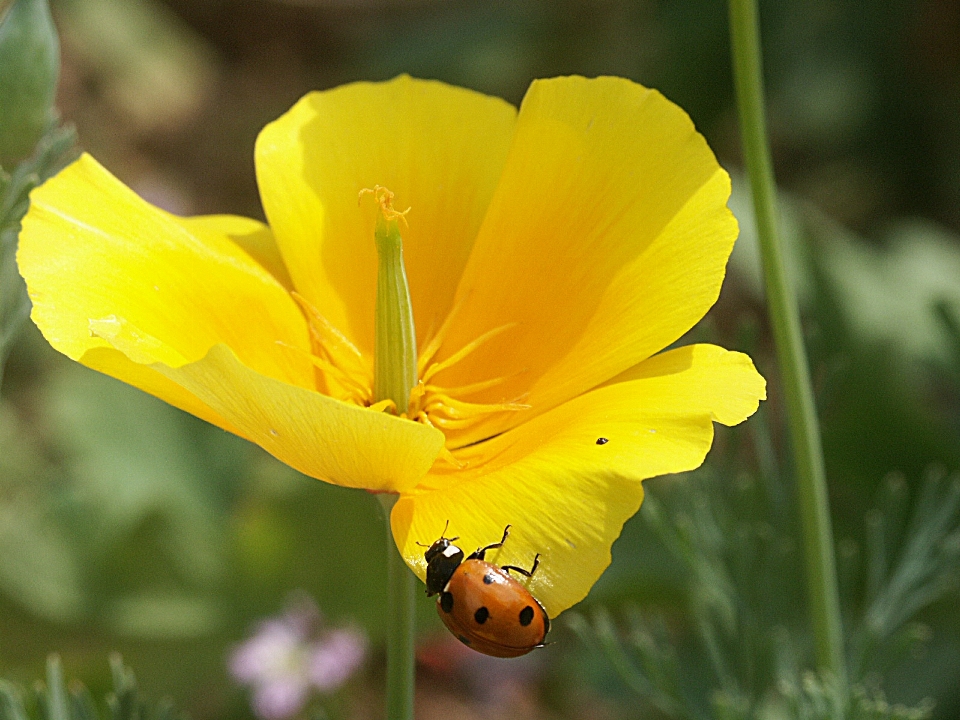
(398, 380)
(443, 407)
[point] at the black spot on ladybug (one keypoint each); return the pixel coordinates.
(602, 441)
(481, 615)
(488, 579)
(526, 615)
(465, 641)
(446, 601)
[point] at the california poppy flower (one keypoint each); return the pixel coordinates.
(552, 254)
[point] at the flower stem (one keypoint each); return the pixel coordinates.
(795, 375)
(401, 585)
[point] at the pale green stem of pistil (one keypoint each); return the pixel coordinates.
(395, 344)
(394, 376)
(795, 375)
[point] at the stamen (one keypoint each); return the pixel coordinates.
(415, 404)
(341, 350)
(464, 351)
(384, 198)
(459, 409)
(473, 387)
(445, 454)
(437, 340)
(384, 405)
(453, 424)
(355, 391)
(335, 356)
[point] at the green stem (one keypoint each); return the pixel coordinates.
(795, 375)
(401, 586)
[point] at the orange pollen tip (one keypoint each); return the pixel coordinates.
(384, 198)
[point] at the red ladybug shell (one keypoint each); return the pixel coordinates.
(488, 610)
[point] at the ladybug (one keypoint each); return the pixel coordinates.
(481, 603)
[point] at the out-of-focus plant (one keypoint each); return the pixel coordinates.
(740, 569)
(905, 568)
(32, 145)
(53, 151)
(800, 412)
(55, 700)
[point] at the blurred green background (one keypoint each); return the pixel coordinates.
(127, 525)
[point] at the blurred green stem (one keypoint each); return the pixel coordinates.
(401, 585)
(795, 375)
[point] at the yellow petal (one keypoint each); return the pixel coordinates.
(91, 252)
(322, 437)
(325, 438)
(606, 240)
(114, 363)
(439, 148)
(564, 495)
(251, 235)
(700, 378)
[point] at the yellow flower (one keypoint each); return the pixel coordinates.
(551, 253)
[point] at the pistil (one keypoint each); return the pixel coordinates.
(395, 340)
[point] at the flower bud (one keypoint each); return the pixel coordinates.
(29, 66)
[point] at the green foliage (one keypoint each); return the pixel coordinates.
(814, 698)
(907, 568)
(740, 570)
(29, 67)
(56, 701)
(54, 150)
(144, 522)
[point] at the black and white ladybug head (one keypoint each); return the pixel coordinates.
(443, 557)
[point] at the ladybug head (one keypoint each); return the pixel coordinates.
(443, 557)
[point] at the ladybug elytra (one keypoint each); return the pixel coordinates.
(481, 603)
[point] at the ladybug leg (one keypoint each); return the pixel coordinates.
(478, 555)
(528, 573)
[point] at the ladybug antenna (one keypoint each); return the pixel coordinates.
(442, 536)
(445, 532)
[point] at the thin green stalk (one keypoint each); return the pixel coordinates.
(401, 628)
(795, 375)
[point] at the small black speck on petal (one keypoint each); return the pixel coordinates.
(602, 441)
(446, 601)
